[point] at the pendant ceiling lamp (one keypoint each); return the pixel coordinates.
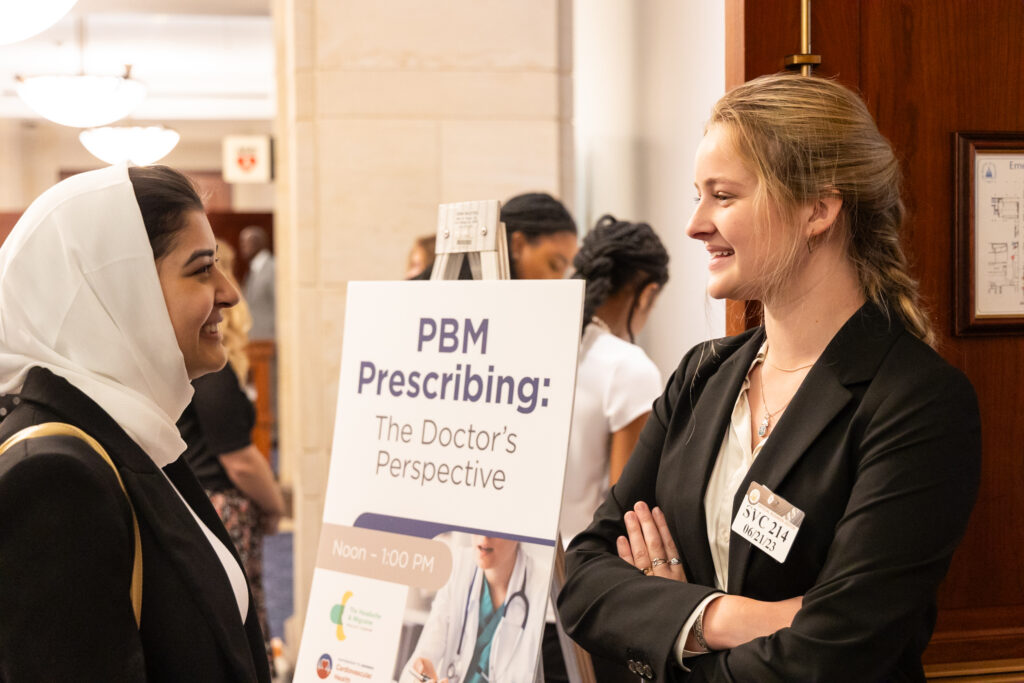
(83, 100)
(139, 145)
(20, 20)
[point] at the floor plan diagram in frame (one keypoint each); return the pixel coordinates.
(999, 228)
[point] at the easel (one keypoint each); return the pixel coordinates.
(474, 231)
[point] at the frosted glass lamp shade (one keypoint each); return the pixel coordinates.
(20, 19)
(82, 101)
(139, 145)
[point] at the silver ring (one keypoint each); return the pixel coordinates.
(657, 562)
(673, 561)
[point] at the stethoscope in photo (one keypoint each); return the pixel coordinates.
(519, 595)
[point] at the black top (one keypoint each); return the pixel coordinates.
(219, 420)
(66, 557)
(880, 447)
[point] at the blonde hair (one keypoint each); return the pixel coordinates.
(237, 320)
(807, 138)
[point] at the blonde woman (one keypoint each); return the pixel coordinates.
(217, 427)
(797, 493)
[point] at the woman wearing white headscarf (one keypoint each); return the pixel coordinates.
(109, 304)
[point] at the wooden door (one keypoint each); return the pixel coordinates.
(929, 68)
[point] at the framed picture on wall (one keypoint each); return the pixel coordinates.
(989, 242)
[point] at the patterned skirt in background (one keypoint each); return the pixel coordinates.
(241, 517)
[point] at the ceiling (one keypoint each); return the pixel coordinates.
(200, 59)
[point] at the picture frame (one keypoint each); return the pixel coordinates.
(989, 239)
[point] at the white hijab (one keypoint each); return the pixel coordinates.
(80, 296)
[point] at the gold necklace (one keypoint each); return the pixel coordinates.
(802, 367)
(766, 420)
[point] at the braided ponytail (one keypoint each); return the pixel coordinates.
(807, 138)
(616, 255)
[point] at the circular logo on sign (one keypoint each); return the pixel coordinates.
(754, 496)
(324, 666)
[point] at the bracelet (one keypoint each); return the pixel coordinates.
(698, 632)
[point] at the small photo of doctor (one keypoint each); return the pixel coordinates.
(485, 623)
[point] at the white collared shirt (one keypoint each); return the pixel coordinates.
(731, 466)
(734, 459)
(236, 578)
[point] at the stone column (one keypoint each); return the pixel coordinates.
(386, 109)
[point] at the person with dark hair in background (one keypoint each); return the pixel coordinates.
(796, 496)
(625, 266)
(541, 236)
(113, 564)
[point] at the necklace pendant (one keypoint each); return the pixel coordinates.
(763, 428)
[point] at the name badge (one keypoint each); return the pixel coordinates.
(769, 522)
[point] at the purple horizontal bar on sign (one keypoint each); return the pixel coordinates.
(425, 529)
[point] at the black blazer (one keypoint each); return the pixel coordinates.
(880, 447)
(66, 552)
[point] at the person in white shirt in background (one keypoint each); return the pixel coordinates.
(625, 266)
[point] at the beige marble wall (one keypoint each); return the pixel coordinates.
(386, 109)
(33, 153)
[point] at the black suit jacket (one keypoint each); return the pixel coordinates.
(880, 447)
(66, 552)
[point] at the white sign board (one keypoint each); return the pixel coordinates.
(445, 483)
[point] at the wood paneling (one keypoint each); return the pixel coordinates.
(7, 221)
(936, 68)
(759, 36)
(929, 68)
(262, 366)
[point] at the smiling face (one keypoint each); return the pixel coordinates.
(544, 257)
(727, 219)
(494, 552)
(195, 291)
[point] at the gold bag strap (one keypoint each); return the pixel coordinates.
(64, 429)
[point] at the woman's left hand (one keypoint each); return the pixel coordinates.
(649, 546)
